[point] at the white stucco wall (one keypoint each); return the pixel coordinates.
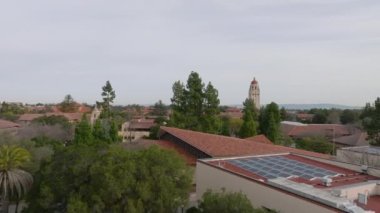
(260, 195)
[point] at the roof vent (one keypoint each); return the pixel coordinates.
(362, 198)
(221, 164)
(364, 169)
(327, 181)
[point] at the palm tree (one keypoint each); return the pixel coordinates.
(14, 182)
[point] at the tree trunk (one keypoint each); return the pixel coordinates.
(17, 203)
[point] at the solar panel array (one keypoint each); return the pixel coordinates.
(279, 166)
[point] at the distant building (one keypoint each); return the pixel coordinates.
(8, 126)
(254, 93)
(95, 114)
(274, 177)
(288, 183)
(136, 129)
(71, 117)
(341, 135)
(361, 155)
(305, 117)
(232, 112)
(197, 145)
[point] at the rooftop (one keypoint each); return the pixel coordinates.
(75, 116)
(365, 149)
(4, 124)
(305, 177)
(223, 146)
(260, 139)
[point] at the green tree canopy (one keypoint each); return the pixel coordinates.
(250, 123)
(315, 144)
(226, 202)
(195, 106)
(371, 121)
(349, 116)
(160, 109)
(68, 104)
(270, 119)
(14, 181)
(101, 179)
(83, 132)
(108, 95)
(53, 120)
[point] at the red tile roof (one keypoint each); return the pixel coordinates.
(320, 130)
(343, 134)
(260, 139)
(222, 146)
(4, 124)
(29, 117)
(70, 116)
(145, 124)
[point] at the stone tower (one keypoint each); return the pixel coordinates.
(254, 93)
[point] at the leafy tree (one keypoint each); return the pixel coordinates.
(11, 112)
(284, 114)
(178, 106)
(211, 120)
(371, 121)
(53, 120)
(108, 95)
(195, 106)
(160, 109)
(226, 202)
(153, 133)
(315, 144)
(83, 132)
(101, 179)
(349, 117)
(320, 116)
(270, 119)
(68, 104)
(39, 148)
(235, 125)
(14, 181)
(103, 131)
(55, 132)
(250, 124)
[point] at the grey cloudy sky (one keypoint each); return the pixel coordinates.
(301, 51)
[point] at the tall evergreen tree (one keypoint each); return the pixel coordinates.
(371, 122)
(83, 132)
(194, 101)
(270, 119)
(250, 124)
(178, 105)
(68, 104)
(194, 106)
(108, 95)
(211, 121)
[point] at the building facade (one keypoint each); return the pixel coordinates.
(254, 93)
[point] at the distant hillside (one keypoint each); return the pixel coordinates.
(320, 106)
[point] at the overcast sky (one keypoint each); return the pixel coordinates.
(301, 51)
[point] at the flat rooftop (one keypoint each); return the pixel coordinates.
(365, 149)
(304, 177)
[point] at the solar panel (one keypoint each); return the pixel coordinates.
(278, 166)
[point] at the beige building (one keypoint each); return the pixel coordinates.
(291, 183)
(136, 129)
(361, 155)
(254, 93)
